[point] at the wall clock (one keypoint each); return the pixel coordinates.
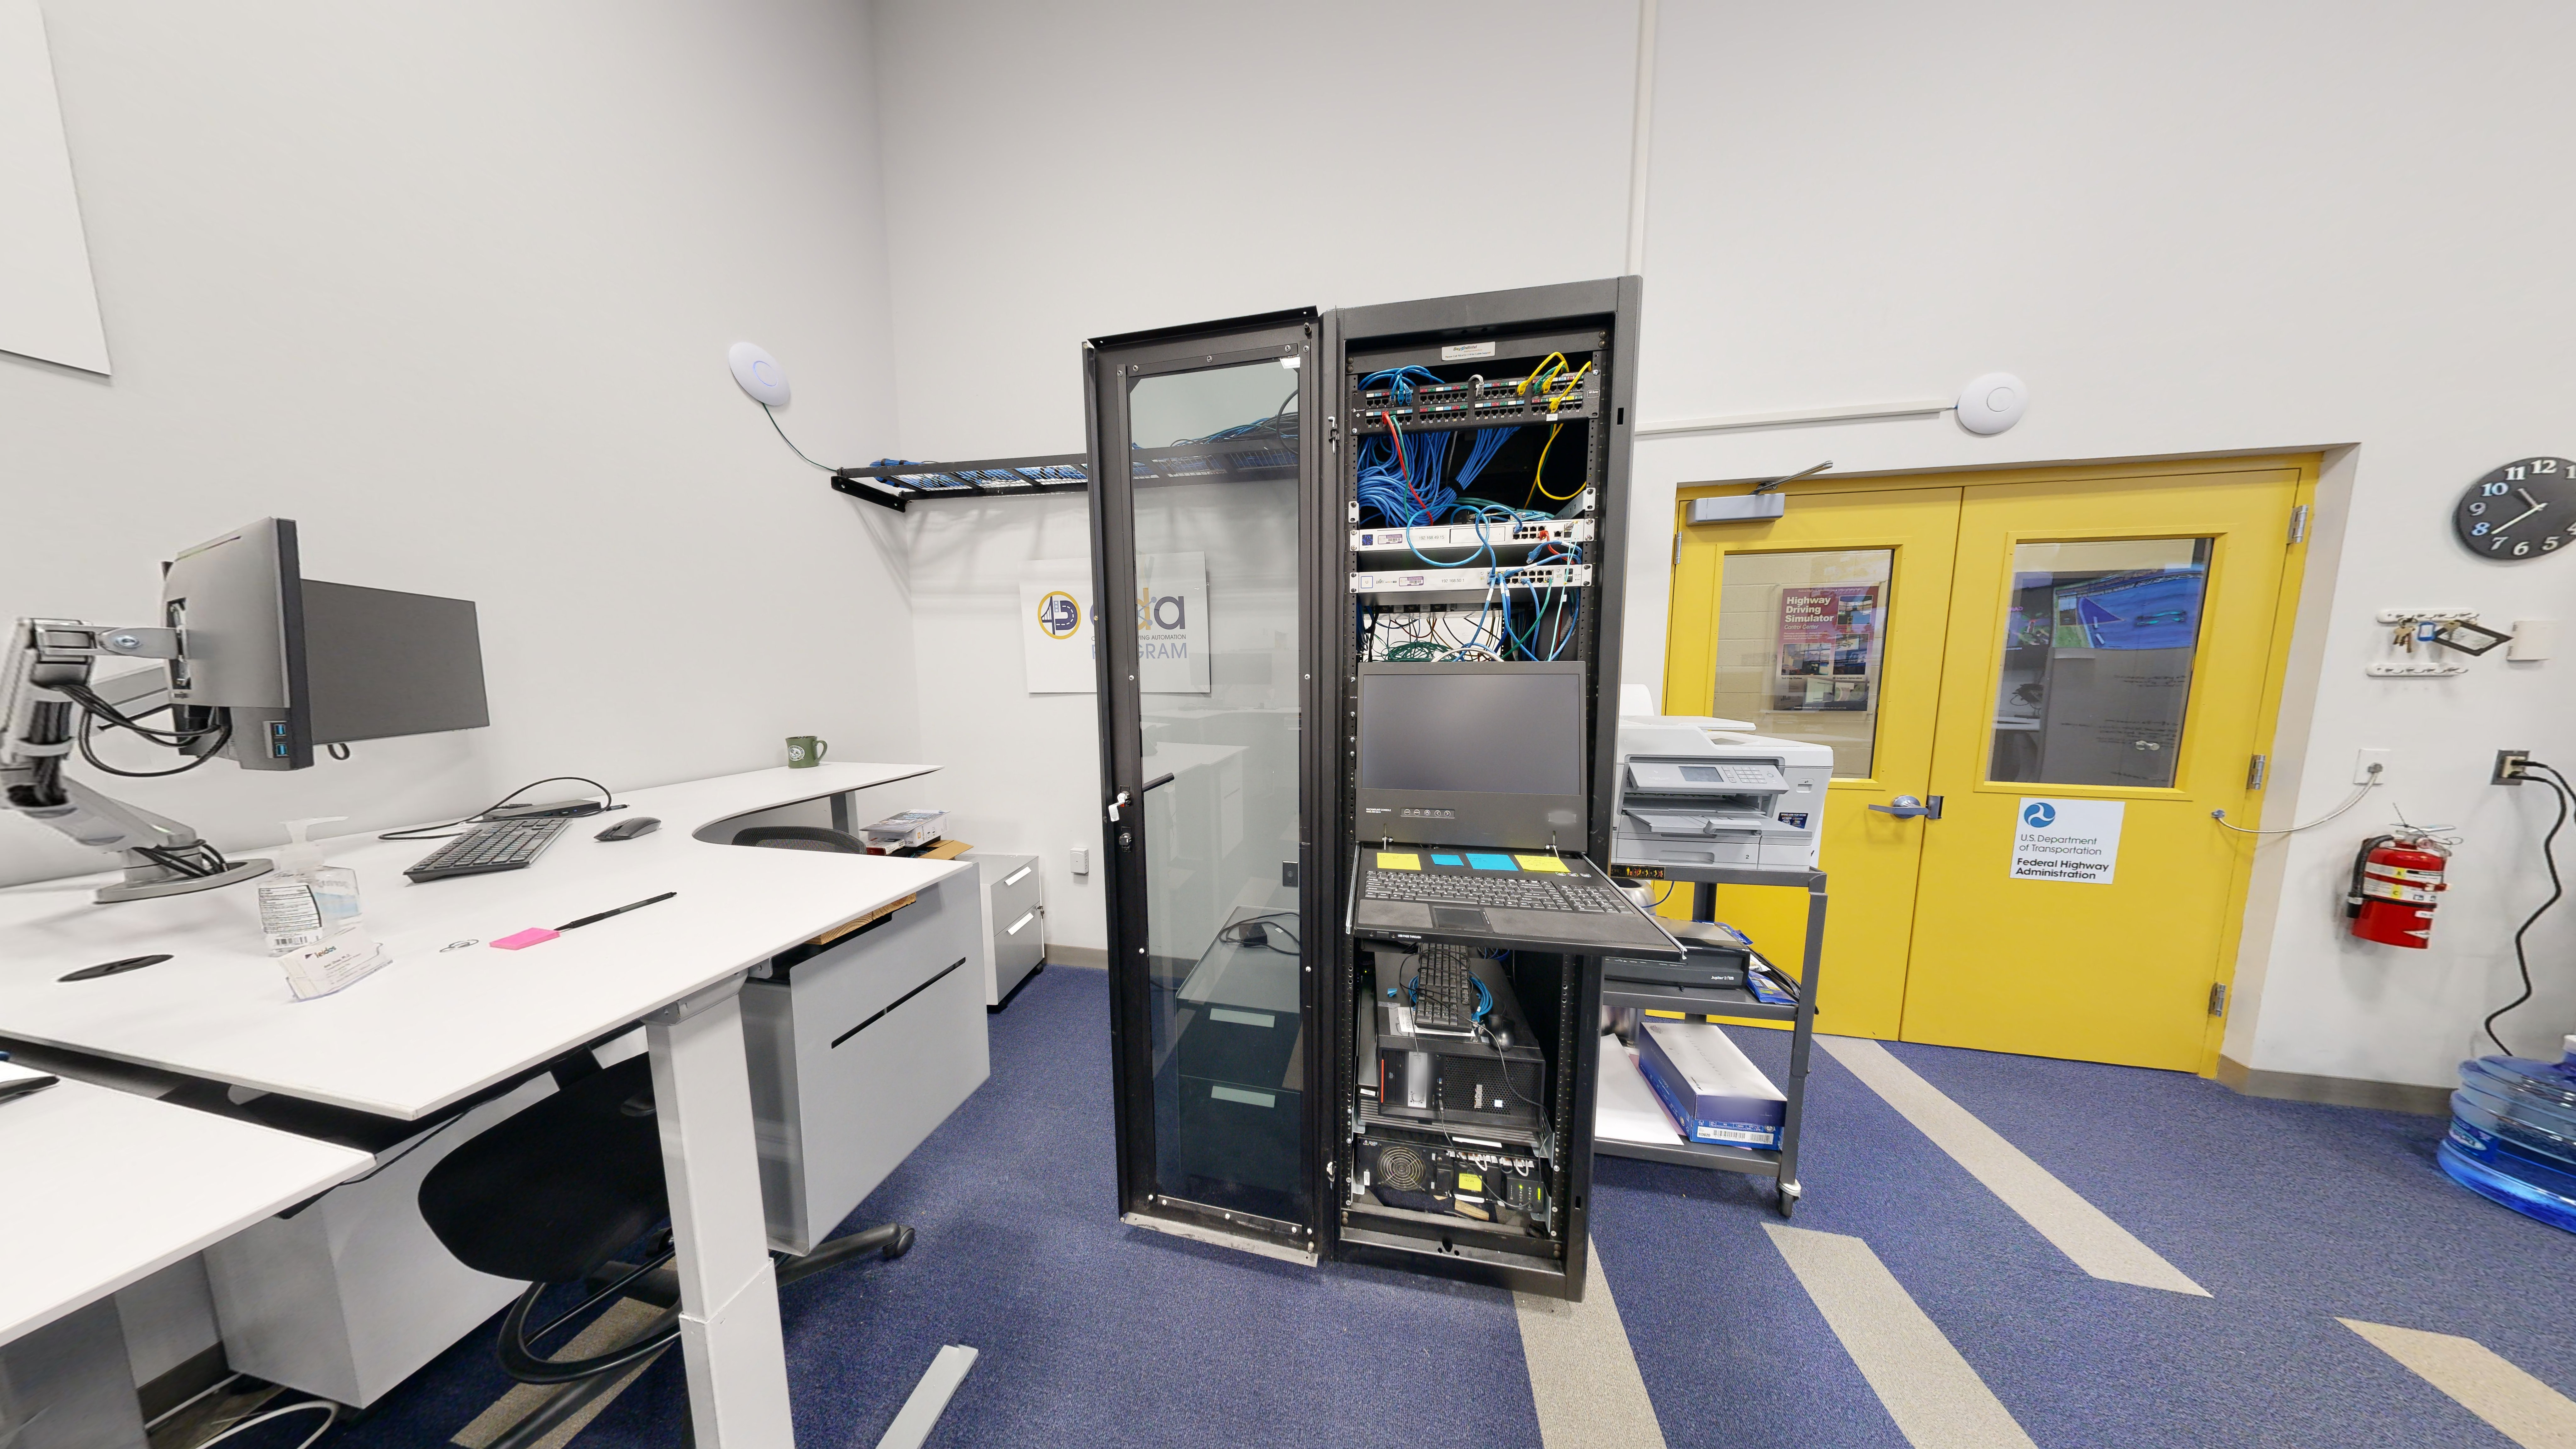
(2525, 509)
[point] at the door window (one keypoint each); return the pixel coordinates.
(2099, 641)
(1801, 638)
(1215, 480)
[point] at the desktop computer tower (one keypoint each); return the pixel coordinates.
(1287, 498)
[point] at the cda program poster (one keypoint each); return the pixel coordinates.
(1059, 625)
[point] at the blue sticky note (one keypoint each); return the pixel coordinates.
(1444, 860)
(1491, 862)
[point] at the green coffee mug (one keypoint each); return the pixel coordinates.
(804, 752)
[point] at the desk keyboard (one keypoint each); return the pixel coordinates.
(501, 845)
(1512, 892)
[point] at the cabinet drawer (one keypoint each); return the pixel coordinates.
(1016, 889)
(1019, 942)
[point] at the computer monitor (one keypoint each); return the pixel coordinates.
(298, 662)
(1473, 754)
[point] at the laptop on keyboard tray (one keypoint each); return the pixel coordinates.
(1472, 814)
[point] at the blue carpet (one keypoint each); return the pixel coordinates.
(2291, 1215)
(1091, 1333)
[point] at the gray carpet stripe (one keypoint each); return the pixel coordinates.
(1936, 1399)
(2482, 1381)
(2077, 1228)
(1583, 1375)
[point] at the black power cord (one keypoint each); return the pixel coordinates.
(88, 700)
(2559, 790)
(89, 733)
(97, 717)
(608, 802)
(1258, 931)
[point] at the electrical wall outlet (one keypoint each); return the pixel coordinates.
(2369, 766)
(2509, 766)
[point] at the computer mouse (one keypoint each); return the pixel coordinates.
(629, 829)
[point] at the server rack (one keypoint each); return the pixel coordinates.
(1537, 387)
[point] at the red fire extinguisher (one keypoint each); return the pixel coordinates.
(2396, 882)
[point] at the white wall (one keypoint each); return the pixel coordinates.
(1022, 770)
(2195, 228)
(451, 285)
(1139, 165)
(1146, 165)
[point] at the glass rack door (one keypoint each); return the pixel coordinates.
(1204, 463)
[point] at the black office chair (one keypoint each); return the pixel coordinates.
(550, 1194)
(801, 837)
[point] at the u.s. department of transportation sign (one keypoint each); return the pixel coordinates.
(2068, 840)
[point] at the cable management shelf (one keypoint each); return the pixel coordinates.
(893, 482)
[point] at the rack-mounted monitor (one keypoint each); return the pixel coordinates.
(1473, 754)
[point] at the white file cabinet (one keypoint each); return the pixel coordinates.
(1014, 919)
(349, 1294)
(859, 1051)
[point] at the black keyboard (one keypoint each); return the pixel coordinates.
(1519, 892)
(1442, 993)
(501, 845)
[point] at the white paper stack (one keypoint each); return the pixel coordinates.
(1624, 1108)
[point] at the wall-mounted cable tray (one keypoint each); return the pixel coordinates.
(893, 482)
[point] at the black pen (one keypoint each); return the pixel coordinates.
(23, 1085)
(621, 910)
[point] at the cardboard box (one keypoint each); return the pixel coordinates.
(1712, 1089)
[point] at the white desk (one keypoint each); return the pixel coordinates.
(437, 1026)
(104, 1188)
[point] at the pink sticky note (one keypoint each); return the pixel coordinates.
(526, 938)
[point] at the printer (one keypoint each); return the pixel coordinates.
(1700, 791)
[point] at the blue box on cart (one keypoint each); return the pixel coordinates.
(1712, 1089)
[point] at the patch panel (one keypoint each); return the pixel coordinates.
(1517, 576)
(1493, 410)
(1469, 535)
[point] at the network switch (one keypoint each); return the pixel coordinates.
(1474, 535)
(1520, 576)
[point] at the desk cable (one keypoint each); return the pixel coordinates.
(608, 802)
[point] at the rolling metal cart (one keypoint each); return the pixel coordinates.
(1735, 1005)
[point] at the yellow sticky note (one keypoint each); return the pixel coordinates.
(1544, 864)
(1470, 1182)
(1388, 861)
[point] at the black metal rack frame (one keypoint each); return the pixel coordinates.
(1603, 317)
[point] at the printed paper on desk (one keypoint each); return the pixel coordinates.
(333, 963)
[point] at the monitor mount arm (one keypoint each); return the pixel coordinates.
(39, 727)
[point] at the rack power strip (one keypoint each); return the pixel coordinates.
(1443, 581)
(1470, 535)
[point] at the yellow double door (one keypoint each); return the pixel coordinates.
(2074, 667)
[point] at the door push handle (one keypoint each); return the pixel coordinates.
(1906, 807)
